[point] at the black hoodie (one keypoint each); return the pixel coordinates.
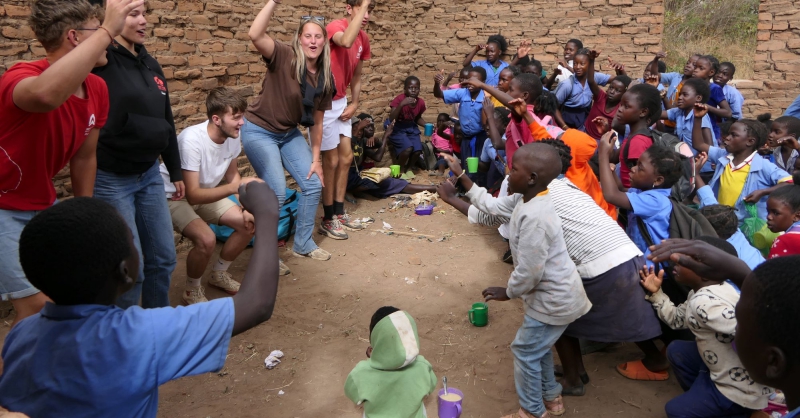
(140, 125)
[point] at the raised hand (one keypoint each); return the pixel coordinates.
(488, 106)
(700, 160)
(650, 281)
(661, 55)
(700, 110)
(653, 80)
(439, 77)
(472, 82)
(116, 12)
(789, 140)
(524, 48)
(607, 141)
(518, 107)
(480, 46)
(601, 124)
(593, 55)
(453, 163)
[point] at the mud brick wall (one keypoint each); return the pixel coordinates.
(777, 61)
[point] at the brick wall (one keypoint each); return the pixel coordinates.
(777, 61)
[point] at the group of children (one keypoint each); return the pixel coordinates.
(569, 166)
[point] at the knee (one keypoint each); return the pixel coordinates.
(345, 158)
(206, 243)
(312, 186)
(405, 153)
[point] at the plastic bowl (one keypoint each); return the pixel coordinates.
(424, 210)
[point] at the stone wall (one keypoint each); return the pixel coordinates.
(777, 61)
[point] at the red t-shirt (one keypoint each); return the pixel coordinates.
(34, 147)
(786, 244)
(345, 60)
(599, 110)
(408, 113)
(639, 144)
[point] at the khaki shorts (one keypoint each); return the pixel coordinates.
(183, 213)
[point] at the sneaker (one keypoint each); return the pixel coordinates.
(349, 223)
(318, 254)
(332, 228)
(283, 269)
(223, 280)
(192, 295)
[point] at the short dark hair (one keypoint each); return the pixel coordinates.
(222, 99)
(766, 119)
(577, 42)
(530, 84)
(583, 51)
(50, 19)
(622, 78)
(72, 249)
(648, 98)
(662, 66)
(381, 313)
(480, 71)
(545, 104)
(701, 87)
(514, 70)
(667, 164)
(729, 65)
(443, 115)
(722, 218)
(410, 79)
(356, 3)
(792, 124)
(719, 243)
(500, 40)
(757, 130)
(564, 151)
(789, 194)
(776, 285)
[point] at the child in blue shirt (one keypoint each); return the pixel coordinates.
(575, 95)
(718, 108)
(693, 90)
(732, 95)
(83, 356)
(495, 48)
(741, 175)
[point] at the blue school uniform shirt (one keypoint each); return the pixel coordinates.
(571, 93)
(654, 207)
(746, 252)
(763, 174)
(684, 122)
(672, 81)
(716, 97)
(492, 73)
(469, 110)
(735, 100)
(102, 361)
(793, 109)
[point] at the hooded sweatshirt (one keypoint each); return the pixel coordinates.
(140, 125)
(394, 381)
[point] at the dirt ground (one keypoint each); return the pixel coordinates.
(321, 323)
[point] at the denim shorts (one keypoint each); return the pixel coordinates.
(13, 284)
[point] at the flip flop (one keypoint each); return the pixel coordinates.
(635, 370)
(556, 406)
(525, 414)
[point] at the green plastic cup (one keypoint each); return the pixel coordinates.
(479, 314)
(395, 170)
(472, 165)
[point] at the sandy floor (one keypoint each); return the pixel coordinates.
(322, 317)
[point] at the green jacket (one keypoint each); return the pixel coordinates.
(395, 380)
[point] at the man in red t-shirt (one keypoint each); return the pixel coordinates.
(53, 110)
(349, 49)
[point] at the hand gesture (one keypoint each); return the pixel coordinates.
(518, 107)
(700, 110)
(700, 160)
(650, 281)
(606, 143)
(790, 141)
(472, 82)
(116, 13)
(408, 101)
(556, 71)
(601, 124)
(259, 199)
(756, 196)
(495, 293)
(661, 55)
(363, 123)
(446, 190)
(653, 80)
(389, 128)
(700, 257)
(316, 168)
(593, 55)
(488, 106)
(453, 163)
(524, 48)
(439, 77)
(480, 47)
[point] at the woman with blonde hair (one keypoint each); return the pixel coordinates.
(298, 88)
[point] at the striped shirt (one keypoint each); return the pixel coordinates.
(595, 242)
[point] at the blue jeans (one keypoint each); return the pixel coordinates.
(533, 364)
(13, 284)
(701, 399)
(269, 153)
(141, 201)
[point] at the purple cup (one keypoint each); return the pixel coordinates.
(450, 409)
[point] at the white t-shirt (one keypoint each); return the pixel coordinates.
(565, 73)
(199, 153)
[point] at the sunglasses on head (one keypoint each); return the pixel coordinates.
(316, 18)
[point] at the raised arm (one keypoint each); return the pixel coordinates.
(548, 83)
(590, 76)
(57, 83)
(504, 98)
(256, 298)
(698, 141)
(494, 134)
(437, 84)
(468, 59)
(611, 191)
(348, 37)
(523, 50)
(258, 30)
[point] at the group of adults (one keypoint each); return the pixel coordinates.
(100, 102)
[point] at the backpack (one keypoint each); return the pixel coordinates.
(684, 222)
(428, 155)
(685, 186)
(287, 222)
(547, 123)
